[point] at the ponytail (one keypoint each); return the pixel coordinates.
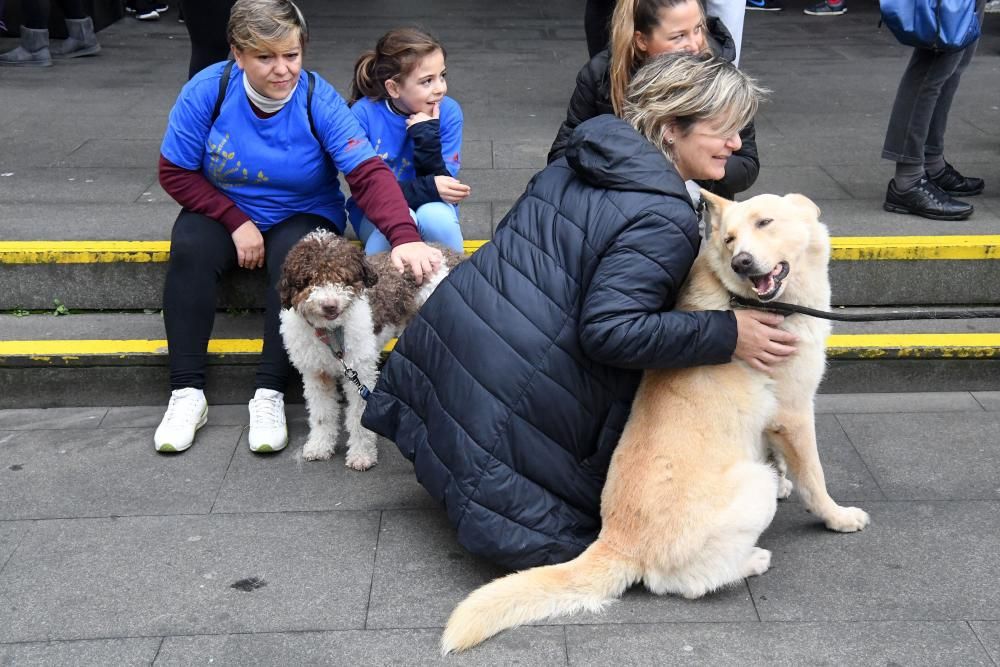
(364, 84)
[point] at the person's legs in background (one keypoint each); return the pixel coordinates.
(81, 40)
(437, 222)
(596, 24)
(732, 14)
(34, 48)
(908, 137)
(206, 22)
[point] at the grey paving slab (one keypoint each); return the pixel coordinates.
(11, 534)
(847, 477)
(917, 561)
(109, 472)
(989, 634)
(286, 482)
(524, 646)
(421, 573)
(990, 400)
(789, 644)
(865, 217)
(474, 218)
(897, 403)
(131, 153)
(91, 222)
(494, 184)
(51, 418)
(521, 155)
(930, 456)
(36, 151)
(809, 180)
(154, 576)
(82, 184)
(81, 653)
(502, 208)
(477, 154)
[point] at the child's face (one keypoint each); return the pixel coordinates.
(423, 87)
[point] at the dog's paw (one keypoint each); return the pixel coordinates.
(785, 487)
(361, 461)
(758, 563)
(848, 520)
(317, 450)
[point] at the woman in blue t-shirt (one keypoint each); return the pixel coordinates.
(252, 152)
(398, 97)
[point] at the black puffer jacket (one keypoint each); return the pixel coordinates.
(510, 388)
(592, 97)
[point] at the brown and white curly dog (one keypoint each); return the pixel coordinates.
(336, 300)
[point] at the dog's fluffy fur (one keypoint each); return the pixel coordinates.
(327, 283)
(689, 490)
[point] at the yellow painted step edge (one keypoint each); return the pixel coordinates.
(844, 248)
(915, 346)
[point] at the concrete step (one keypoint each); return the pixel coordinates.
(129, 275)
(121, 359)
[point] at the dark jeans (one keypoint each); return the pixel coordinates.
(206, 22)
(36, 12)
(201, 251)
(596, 19)
(920, 114)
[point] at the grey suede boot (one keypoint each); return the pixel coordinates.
(33, 52)
(81, 41)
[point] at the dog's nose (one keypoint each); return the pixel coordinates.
(742, 262)
(330, 311)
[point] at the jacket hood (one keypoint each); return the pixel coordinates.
(608, 153)
(720, 40)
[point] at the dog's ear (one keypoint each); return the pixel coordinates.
(368, 275)
(715, 206)
(804, 203)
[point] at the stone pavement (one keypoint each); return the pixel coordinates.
(111, 554)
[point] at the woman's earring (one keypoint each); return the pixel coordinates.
(670, 142)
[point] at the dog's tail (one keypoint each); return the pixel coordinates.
(589, 582)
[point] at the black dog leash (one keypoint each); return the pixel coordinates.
(896, 315)
(336, 345)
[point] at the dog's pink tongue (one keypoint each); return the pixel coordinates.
(763, 284)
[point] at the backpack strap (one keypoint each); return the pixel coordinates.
(223, 85)
(309, 105)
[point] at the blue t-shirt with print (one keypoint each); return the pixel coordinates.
(387, 133)
(272, 168)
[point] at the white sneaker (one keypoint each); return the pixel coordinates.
(186, 413)
(268, 432)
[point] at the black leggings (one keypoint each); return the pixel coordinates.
(36, 12)
(206, 22)
(596, 24)
(201, 251)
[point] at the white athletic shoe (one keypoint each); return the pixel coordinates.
(268, 432)
(186, 413)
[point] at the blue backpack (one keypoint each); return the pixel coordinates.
(939, 25)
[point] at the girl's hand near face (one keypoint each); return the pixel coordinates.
(420, 116)
(451, 190)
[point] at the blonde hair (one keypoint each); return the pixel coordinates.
(682, 89)
(257, 24)
(631, 16)
(395, 55)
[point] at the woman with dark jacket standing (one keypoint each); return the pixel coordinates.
(642, 29)
(511, 387)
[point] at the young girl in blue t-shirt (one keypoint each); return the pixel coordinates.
(398, 97)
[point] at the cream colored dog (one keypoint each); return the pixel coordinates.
(689, 490)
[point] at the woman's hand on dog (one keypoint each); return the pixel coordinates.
(760, 342)
(422, 259)
(249, 246)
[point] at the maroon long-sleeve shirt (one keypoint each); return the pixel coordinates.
(372, 184)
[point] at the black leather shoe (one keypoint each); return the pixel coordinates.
(926, 200)
(953, 183)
